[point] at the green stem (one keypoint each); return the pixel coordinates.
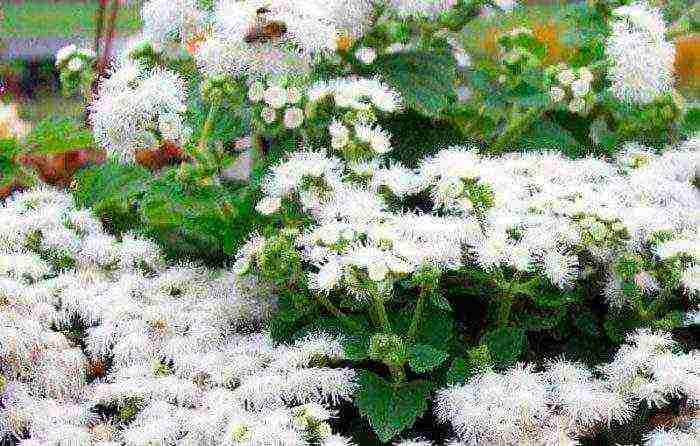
(328, 305)
(398, 374)
(506, 304)
(206, 130)
(507, 300)
(380, 313)
(514, 129)
(417, 315)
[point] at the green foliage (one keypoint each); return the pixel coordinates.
(54, 136)
(389, 407)
(128, 411)
(505, 345)
(112, 191)
(194, 221)
(188, 220)
(425, 79)
(10, 170)
(425, 358)
(477, 360)
(420, 136)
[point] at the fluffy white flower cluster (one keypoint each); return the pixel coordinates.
(239, 43)
(73, 58)
(137, 108)
(537, 213)
(421, 8)
(316, 25)
(577, 84)
(565, 401)
(358, 94)
(276, 97)
(101, 343)
(641, 59)
(169, 23)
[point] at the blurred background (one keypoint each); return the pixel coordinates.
(31, 31)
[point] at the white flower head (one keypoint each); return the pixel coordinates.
(556, 94)
(269, 205)
(366, 55)
(268, 115)
(275, 96)
(293, 117)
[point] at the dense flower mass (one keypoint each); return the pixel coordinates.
(102, 343)
(394, 203)
(565, 401)
(642, 60)
(537, 213)
(168, 23)
(138, 110)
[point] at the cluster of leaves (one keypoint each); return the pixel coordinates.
(443, 329)
(509, 96)
(189, 219)
(52, 152)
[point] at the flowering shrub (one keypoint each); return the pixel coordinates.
(101, 343)
(421, 216)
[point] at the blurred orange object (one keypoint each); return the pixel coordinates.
(159, 157)
(59, 169)
(549, 34)
(688, 62)
(11, 125)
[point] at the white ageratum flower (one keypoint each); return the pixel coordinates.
(65, 53)
(275, 96)
(293, 117)
(640, 15)
(377, 138)
(268, 115)
(377, 271)
(566, 77)
(366, 55)
(585, 75)
(642, 62)
(269, 205)
(170, 22)
(577, 105)
(314, 25)
(580, 88)
(462, 58)
(561, 269)
(132, 104)
(327, 277)
(293, 95)
(556, 94)
(421, 8)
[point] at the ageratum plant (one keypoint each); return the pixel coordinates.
(388, 229)
(381, 255)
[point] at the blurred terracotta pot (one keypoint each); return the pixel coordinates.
(157, 158)
(58, 170)
(687, 62)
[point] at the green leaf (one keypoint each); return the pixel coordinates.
(440, 301)
(425, 80)
(390, 408)
(435, 329)
(505, 344)
(546, 135)
(423, 358)
(462, 369)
